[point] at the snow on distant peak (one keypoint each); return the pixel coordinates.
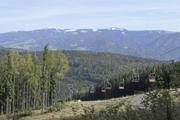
(76, 30)
(69, 30)
(94, 30)
(116, 28)
(58, 30)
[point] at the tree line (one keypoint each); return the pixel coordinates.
(30, 82)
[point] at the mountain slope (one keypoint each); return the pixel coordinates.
(87, 68)
(148, 44)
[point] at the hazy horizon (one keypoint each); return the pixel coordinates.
(88, 28)
(76, 14)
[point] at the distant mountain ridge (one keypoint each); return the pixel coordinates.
(148, 44)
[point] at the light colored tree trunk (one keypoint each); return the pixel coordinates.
(43, 102)
(7, 105)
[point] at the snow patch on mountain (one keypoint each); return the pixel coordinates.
(95, 30)
(116, 28)
(69, 30)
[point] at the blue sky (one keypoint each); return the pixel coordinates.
(130, 14)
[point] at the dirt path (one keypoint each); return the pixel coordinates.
(98, 105)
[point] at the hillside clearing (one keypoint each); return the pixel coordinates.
(98, 105)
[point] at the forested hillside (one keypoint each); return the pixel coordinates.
(87, 68)
(92, 68)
